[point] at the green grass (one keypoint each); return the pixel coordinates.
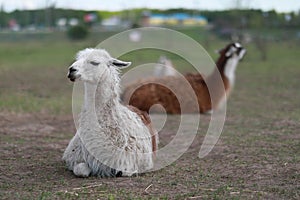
(33, 74)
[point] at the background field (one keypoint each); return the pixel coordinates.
(257, 155)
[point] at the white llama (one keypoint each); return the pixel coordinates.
(112, 140)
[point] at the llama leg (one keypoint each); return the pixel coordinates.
(82, 170)
(73, 153)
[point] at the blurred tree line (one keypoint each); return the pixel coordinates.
(42, 17)
(235, 18)
(254, 19)
(248, 18)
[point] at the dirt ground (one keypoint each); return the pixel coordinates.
(254, 164)
(256, 157)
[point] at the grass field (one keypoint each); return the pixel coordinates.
(257, 156)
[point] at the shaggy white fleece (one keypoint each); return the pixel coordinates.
(111, 140)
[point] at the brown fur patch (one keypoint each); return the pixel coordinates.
(146, 93)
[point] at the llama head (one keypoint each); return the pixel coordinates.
(93, 65)
(233, 50)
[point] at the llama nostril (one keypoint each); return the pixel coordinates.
(72, 69)
(72, 74)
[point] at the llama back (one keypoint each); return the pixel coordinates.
(170, 92)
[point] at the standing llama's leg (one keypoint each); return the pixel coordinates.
(74, 159)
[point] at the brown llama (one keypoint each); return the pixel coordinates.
(145, 93)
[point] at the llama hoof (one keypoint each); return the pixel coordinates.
(119, 174)
(82, 170)
(116, 173)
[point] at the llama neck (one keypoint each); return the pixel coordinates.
(89, 96)
(100, 99)
(227, 67)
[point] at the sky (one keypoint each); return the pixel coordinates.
(114, 5)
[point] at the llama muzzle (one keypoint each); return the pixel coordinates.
(72, 74)
(71, 77)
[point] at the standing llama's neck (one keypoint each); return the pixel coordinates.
(227, 67)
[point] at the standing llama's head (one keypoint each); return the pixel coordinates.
(233, 50)
(93, 65)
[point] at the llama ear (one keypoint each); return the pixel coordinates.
(120, 64)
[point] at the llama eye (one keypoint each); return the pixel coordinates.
(94, 63)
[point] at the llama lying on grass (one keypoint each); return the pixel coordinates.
(112, 140)
(147, 92)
